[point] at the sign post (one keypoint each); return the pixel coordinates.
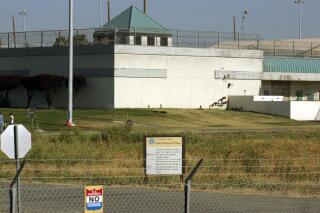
(93, 199)
(164, 155)
(16, 156)
(16, 143)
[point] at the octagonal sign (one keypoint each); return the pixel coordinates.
(24, 141)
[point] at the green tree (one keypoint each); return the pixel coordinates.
(48, 86)
(79, 82)
(8, 83)
(31, 84)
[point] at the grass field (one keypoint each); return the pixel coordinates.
(239, 148)
(169, 120)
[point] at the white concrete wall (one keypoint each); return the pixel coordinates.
(246, 103)
(170, 42)
(190, 78)
(305, 110)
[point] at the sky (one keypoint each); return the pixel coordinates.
(272, 19)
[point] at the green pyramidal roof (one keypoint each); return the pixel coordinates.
(134, 20)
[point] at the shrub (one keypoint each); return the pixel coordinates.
(61, 41)
(80, 40)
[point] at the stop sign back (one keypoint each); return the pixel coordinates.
(23, 141)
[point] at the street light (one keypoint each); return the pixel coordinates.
(70, 82)
(300, 3)
(244, 15)
(24, 14)
(100, 12)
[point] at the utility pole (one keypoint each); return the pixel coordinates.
(70, 83)
(300, 3)
(24, 14)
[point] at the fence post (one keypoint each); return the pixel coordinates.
(177, 37)
(41, 38)
(115, 35)
(218, 40)
(187, 187)
(14, 189)
(274, 48)
(198, 39)
(293, 48)
(311, 53)
(13, 199)
(238, 40)
(187, 190)
(25, 39)
(8, 40)
(258, 44)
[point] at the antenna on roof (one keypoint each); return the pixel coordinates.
(145, 7)
(108, 2)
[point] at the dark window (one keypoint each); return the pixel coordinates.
(164, 41)
(123, 39)
(266, 92)
(150, 41)
(299, 95)
(138, 40)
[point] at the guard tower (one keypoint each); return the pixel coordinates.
(133, 27)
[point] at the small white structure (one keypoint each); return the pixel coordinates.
(296, 110)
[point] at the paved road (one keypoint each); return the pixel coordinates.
(54, 199)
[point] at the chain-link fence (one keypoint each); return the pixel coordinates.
(4, 199)
(220, 185)
(179, 38)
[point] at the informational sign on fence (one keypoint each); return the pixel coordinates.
(93, 199)
(164, 155)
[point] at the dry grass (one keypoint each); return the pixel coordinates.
(286, 163)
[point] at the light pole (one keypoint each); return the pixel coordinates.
(24, 14)
(70, 82)
(108, 10)
(100, 13)
(243, 19)
(300, 3)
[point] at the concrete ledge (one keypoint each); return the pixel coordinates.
(196, 52)
(268, 76)
(140, 73)
(55, 51)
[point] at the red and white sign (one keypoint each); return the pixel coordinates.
(93, 199)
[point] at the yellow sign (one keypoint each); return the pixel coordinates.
(93, 199)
